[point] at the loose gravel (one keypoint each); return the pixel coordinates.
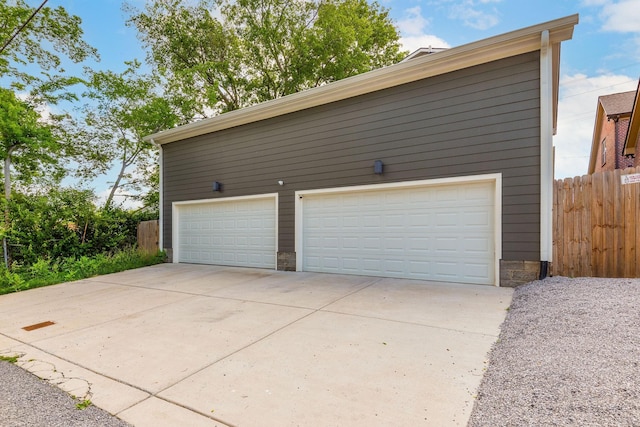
(28, 401)
(568, 354)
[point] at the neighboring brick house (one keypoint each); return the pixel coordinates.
(633, 133)
(609, 133)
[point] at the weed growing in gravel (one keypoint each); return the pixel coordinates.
(10, 359)
(83, 404)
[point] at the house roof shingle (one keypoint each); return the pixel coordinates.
(617, 103)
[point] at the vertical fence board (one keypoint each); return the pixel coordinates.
(596, 225)
(629, 230)
(595, 229)
(585, 244)
(577, 235)
(148, 233)
(618, 225)
(568, 223)
(608, 214)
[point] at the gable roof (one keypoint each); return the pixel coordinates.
(491, 49)
(609, 106)
(633, 132)
(617, 103)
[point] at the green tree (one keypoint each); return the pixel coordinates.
(27, 146)
(126, 107)
(262, 49)
(193, 50)
(51, 32)
(27, 143)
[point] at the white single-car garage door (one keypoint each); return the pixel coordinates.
(233, 231)
(430, 232)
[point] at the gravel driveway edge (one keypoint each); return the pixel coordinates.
(568, 354)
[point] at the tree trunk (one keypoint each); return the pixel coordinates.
(7, 175)
(116, 184)
(7, 196)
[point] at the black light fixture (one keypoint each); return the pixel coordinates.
(377, 167)
(217, 186)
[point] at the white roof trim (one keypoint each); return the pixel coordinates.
(480, 52)
(424, 51)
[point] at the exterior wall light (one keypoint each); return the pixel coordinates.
(280, 182)
(377, 167)
(217, 186)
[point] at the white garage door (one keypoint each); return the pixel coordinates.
(441, 233)
(227, 232)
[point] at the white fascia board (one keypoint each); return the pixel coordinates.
(476, 53)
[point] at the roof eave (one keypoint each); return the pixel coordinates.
(491, 49)
(595, 140)
(633, 133)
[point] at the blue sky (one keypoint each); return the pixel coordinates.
(602, 58)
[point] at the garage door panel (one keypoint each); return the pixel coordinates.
(430, 233)
(234, 232)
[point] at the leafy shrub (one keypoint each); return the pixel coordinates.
(64, 223)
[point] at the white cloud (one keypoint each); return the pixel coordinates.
(576, 117)
(473, 17)
(413, 23)
(414, 31)
(622, 16)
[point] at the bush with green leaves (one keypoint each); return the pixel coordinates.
(64, 223)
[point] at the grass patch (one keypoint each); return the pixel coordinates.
(10, 359)
(46, 272)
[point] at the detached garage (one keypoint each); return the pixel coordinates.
(437, 168)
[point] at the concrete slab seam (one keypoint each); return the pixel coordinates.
(411, 323)
(78, 365)
(195, 411)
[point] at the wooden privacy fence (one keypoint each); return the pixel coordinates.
(148, 236)
(595, 226)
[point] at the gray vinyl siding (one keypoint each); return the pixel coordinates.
(483, 119)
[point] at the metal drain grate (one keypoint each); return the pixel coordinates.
(38, 325)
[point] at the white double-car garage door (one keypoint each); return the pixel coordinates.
(442, 230)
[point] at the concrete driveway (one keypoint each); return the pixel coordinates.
(178, 344)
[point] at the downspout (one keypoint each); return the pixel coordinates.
(161, 197)
(546, 150)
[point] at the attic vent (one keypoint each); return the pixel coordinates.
(424, 51)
